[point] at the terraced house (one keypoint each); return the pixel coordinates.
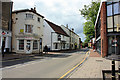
(27, 31)
(107, 28)
(55, 37)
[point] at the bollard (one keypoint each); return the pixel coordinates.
(113, 70)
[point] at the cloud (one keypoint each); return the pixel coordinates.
(60, 12)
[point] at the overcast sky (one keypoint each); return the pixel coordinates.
(60, 12)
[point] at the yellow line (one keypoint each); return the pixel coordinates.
(73, 67)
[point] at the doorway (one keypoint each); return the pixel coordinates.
(28, 46)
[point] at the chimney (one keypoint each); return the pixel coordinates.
(66, 25)
(34, 9)
(73, 29)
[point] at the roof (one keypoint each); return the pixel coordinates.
(57, 28)
(71, 30)
(27, 10)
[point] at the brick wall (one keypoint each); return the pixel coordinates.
(104, 42)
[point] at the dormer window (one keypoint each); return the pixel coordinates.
(29, 16)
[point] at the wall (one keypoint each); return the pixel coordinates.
(19, 21)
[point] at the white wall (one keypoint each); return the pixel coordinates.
(47, 35)
(20, 24)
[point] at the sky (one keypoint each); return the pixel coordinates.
(60, 12)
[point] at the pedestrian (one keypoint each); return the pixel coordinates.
(3, 47)
(46, 49)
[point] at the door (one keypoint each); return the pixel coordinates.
(28, 47)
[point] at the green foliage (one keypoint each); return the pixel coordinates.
(90, 13)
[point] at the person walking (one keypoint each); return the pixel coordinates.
(46, 49)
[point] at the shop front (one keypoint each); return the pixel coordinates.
(29, 45)
(114, 44)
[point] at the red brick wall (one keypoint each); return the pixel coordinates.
(104, 44)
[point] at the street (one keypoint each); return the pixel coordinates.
(49, 66)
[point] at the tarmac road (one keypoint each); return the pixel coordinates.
(52, 66)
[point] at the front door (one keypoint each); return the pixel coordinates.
(28, 46)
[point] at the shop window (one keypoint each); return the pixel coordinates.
(21, 44)
(35, 44)
(28, 28)
(29, 16)
(116, 8)
(109, 10)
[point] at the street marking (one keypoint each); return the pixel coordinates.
(74, 67)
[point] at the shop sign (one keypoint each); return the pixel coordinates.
(3, 33)
(21, 30)
(28, 37)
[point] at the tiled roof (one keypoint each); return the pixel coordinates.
(57, 28)
(27, 10)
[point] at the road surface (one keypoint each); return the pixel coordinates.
(50, 67)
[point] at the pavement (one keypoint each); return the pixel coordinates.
(92, 68)
(18, 56)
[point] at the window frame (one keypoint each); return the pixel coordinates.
(27, 30)
(35, 44)
(19, 45)
(29, 16)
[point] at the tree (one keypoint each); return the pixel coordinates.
(89, 12)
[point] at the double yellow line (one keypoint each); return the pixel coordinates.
(74, 67)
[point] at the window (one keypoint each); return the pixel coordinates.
(21, 44)
(56, 45)
(29, 16)
(38, 19)
(63, 45)
(109, 10)
(28, 28)
(59, 37)
(35, 44)
(110, 22)
(116, 8)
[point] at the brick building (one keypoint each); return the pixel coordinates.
(107, 29)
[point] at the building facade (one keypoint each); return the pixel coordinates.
(74, 39)
(107, 29)
(27, 28)
(55, 38)
(5, 26)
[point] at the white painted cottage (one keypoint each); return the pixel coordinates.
(55, 37)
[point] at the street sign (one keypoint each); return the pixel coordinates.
(3, 33)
